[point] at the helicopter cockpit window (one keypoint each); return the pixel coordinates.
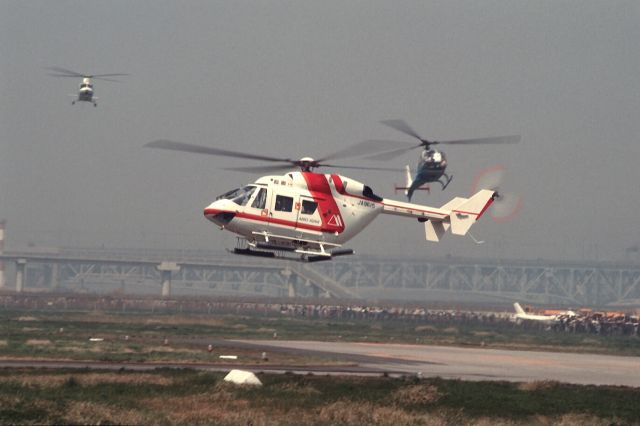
(239, 196)
(261, 199)
(308, 207)
(283, 204)
(368, 192)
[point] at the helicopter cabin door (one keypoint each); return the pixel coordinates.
(283, 212)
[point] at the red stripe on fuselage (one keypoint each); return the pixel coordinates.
(264, 219)
(338, 184)
(320, 190)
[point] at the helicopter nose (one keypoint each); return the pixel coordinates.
(219, 212)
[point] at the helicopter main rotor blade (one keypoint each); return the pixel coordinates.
(263, 169)
(199, 149)
(63, 75)
(106, 75)
(285, 168)
(385, 169)
(355, 150)
(289, 164)
(389, 155)
(105, 79)
(65, 71)
(511, 139)
(402, 126)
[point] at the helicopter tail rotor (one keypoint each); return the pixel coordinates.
(506, 204)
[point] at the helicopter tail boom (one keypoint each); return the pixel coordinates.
(459, 214)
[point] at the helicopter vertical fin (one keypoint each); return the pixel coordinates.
(465, 215)
(454, 203)
(409, 179)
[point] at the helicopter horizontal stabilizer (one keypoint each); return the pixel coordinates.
(435, 229)
(465, 215)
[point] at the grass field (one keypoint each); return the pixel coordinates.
(196, 397)
(65, 335)
(192, 397)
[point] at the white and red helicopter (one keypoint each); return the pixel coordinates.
(313, 214)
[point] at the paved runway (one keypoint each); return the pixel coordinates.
(401, 359)
(474, 363)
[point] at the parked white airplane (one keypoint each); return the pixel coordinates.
(522, 315)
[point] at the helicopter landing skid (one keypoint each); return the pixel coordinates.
(447, 182)
(245, 248)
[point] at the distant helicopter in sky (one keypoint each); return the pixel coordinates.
(85, 91)
(432, 163)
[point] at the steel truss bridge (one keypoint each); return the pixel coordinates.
(195, 273)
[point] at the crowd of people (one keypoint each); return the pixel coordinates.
(598, 323)
(624, 324)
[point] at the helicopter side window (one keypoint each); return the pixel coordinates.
(227, 195)
(239, 196)
(261, 199)
(283, 204)
(243, 198)
(308, 207)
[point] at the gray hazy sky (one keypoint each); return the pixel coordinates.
(297, 78)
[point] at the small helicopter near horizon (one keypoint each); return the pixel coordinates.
(312, 214)
(85, 90)
(432, 163)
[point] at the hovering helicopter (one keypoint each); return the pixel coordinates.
(433, 163)
(85, 91)
(311, 214)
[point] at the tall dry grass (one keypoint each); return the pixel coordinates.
(85, 379)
